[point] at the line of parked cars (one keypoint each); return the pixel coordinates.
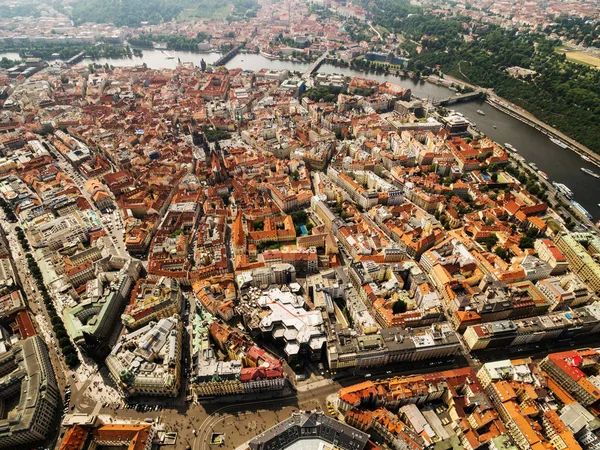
(143, 408)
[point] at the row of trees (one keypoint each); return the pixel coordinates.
(175, 42)
(63, 51)
(71, 357)
(22, 239)
(69, 351)
(8, 211)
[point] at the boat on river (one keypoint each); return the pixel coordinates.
(581, 209)
(563, 189)
(510, 147)
(586, 158)
(590, 172)
(480, 112)
(559, 143)
(544, 175)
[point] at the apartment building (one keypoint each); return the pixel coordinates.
(577, 248)
(148, 361)
(28, 375)
(152, 300)
(567, 369)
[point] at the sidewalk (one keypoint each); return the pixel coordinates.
(314, 384)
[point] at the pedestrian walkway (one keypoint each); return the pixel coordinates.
(314, 385)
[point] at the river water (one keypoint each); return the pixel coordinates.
(560, 165)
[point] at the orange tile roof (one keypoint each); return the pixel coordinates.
(75, 438)
(136, 435)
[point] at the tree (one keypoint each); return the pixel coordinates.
(502, 253)
(491, 241)
(526, 242)
(399, 307)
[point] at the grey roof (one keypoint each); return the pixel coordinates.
(309, 425)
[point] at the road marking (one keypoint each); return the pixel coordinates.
(204, 432)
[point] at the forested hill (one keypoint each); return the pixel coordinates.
(133, 12)
(563, 94)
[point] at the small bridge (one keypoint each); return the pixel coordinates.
(75, 59)
(226, 58)
(459, 98)
(315, 65)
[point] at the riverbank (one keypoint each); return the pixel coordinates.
(526, 117)
(518, 114)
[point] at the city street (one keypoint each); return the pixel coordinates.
(40, 317)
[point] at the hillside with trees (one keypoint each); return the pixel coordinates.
(133, 13)
(564, 94)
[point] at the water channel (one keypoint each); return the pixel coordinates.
(561, 165)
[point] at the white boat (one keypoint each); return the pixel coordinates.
(590, 172)
(480, 112)
(533, 165)
(562, 188)
(544, 175)
(586, 158)
(581, 209)
(494, 126)
(510, 147)
(559, 143)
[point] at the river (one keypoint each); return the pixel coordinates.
(560, 165)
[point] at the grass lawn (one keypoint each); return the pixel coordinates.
(584, 58)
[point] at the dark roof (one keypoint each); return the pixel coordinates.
(309, 425)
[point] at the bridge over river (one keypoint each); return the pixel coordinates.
(314, 66)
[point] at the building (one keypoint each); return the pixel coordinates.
(392, 345)
(152, 300)
(566, 368)
(249, 368)
(321, 430)
(280, 274)
(578, 248)
(281, 315)
(559, 294)
(27, 374)
(148, 361)
(133, 436)
(568, 323)
(92, 321)
(62, 231)
(549, 253)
